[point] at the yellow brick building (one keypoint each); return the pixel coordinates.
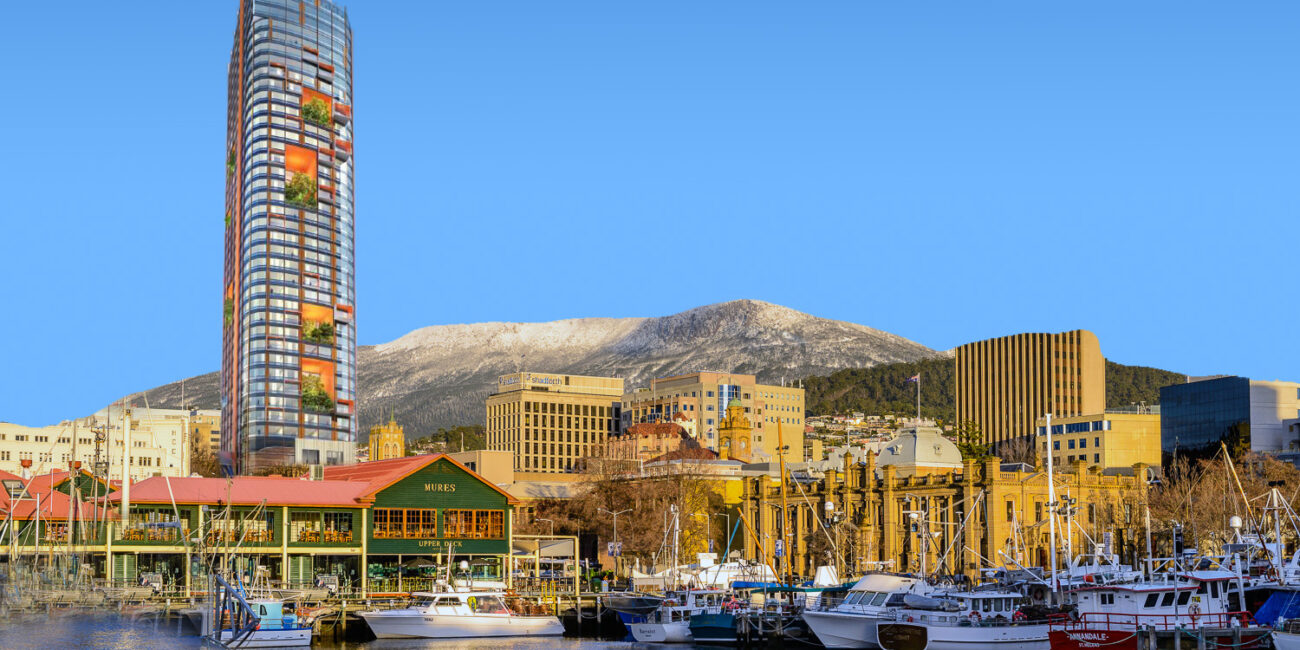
(870, 506)
(1006, 384)
(387, 441)
(1103, 440)
(703, 397)
(552, 421)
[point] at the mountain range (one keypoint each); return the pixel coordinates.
(439, 376)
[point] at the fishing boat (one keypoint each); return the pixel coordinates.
(481, 614)
(1195, 603)
(671, 622)
(275, 627)
(240, 622)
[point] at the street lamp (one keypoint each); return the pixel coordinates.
(620, 551)
(549, 521)
(727, 533)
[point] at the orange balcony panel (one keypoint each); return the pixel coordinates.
(317, 313)
(308, 48)
(325, 66)
(343, 307)
(344, 109)
(300, 159)
(322, 369)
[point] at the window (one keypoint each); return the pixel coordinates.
(474, 524)
(1083, 443)
(1071, 443)
(388, 523)
(1183, 598)
(1167, 600)
(1096, 441)
(304, 526)
(1151, 600)
(1056, 445)
(1096, 458)
(1108, 599)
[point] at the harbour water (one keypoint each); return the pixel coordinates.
(114, 632)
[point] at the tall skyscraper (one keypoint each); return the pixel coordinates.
(1006, 384)
(288, 364)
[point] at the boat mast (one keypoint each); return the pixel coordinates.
(785, 543)
(1051, 506)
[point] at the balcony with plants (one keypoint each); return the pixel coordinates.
(314, 397)
(300, 191)
(317, 112)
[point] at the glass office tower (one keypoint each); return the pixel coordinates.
(1196, 415)
(288, 371)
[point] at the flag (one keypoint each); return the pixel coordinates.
(916, 377)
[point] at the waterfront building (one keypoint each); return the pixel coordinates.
(355, 525)
(703, 398)
(159, 444)
(550, 422)
(866, 507)
(387, 441)
(288, 356)
(1110, 439)
(1195, 416)
(1006, 384)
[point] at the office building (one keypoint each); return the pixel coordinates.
(1006, 384)
(550, 422)
(386, 441)
(1197, 415)
(702, 397)
(1104, 440)
(288, 356)
(158, 444)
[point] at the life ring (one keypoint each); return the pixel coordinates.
(975, 616)
(1271, 573)
(1194, 612)
(1019, 615)
(472, 601)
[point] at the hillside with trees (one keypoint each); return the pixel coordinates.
(884, 389)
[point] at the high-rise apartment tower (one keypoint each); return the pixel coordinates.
(288, 363)
(1006, 384)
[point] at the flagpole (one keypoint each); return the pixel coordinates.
(918, 399)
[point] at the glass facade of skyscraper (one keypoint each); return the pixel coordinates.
(288, 372)
(1195, 416)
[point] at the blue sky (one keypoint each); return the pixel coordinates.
(944, 171)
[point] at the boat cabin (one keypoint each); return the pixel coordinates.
(1192, 599)
(461, 604)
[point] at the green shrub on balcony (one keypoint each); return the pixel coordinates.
(314, 397)
(227, 219)
(228, 312)
(316, 111)
(301, 190)
(230, 164)
(318, 332)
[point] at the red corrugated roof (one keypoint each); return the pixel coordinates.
(55, 505)
(380, 474)
(246, 490)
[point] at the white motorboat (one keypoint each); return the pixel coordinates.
(479, 614)
(1287, 636)
(851, 623)
(671, 622)
(899, 612)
